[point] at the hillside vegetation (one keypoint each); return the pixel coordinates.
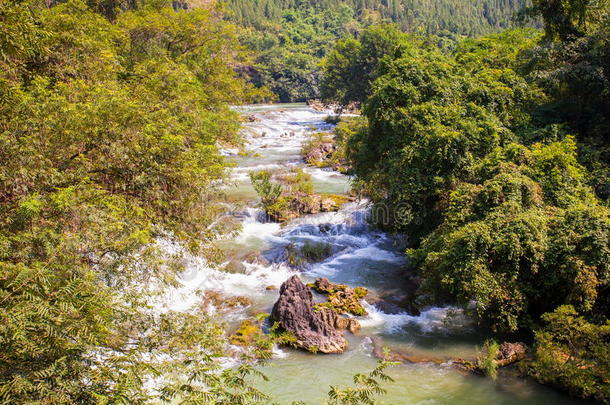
(291, 36)
(111, 120)
(494, 159)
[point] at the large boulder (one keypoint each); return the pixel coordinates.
(342, 323)
(294, 311)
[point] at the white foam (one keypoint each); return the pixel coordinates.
(278, 353)
(442, 320)
(377, 319)
(252, 228)
(281, 132)
(432, 320)
(374, 252)
(200, 276)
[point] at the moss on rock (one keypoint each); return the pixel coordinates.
(246, 334)
(341, 298)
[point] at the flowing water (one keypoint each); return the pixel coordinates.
(362, 257)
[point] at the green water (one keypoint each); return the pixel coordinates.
(364, 257)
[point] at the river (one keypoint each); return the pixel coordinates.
(362, 257)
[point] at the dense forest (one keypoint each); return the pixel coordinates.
(112, 115)
(290, 37)
(494, 159)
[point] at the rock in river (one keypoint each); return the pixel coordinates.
(294, 310)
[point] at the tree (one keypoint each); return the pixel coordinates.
(569, 19)
(353, 65)
(109, 140)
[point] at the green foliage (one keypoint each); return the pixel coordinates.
(569, 19)
(299, 182)
(457, 154)
(486, 361)
(425, 16)
(573, 354)
(245, 334)
(367, 387)
(341, 298)
(287, 195)
(351, 67)
(516, 249)
(494, 160)
(282, 337)
(575, 74)
(290, 37)
(430, 120)
(109, 140)
(265, 188)
(315, 252)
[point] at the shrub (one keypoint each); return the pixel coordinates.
(299, 181)
(315, 252)
(486, 361)
(268, 191)
(573, 353)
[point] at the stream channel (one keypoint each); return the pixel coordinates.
(362, 256)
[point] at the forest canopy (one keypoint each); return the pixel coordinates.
(290, 37)
(493, 159)
(112, 119)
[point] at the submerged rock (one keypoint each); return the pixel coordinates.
(386, 307)
(246, 334)
(222, 303)
(235, 267)
(294, 311)
(385, 353)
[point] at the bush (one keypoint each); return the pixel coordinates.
(299, 181)
(486, 361)
(310, 252)
(268, 191)
(573, 354)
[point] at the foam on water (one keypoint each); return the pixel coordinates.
(254, 228)
(376, 253)
(278, 353)
(199, 276)
(448, 319)
(377, 319)
(437, 320)
(283, 131)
